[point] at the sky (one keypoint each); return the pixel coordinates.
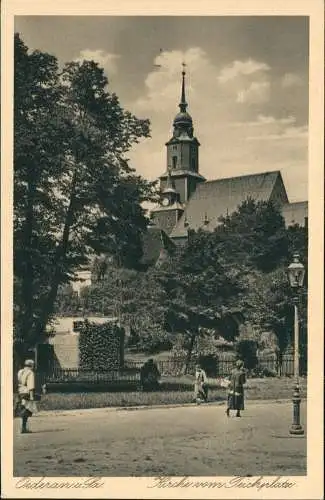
(246, 84)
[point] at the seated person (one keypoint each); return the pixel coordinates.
(149, 376)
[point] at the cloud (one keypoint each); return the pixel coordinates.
(224, 127)
(238, 68)
(248, 81)
(160, 99)
(291, 80)
(288, 133)
(105, 60)
(266, 121)
(256, 92)
(163, 85)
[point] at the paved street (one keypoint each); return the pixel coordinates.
(175, 441)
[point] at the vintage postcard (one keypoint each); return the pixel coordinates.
(162, 249)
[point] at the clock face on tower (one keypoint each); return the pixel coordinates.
(165, 202)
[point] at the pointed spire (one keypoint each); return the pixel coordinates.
(183, 103)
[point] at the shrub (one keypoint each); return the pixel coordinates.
(209, 363)
(247, 351)
(262, 372)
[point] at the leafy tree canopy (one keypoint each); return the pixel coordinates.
(75, 193)
(254, 235)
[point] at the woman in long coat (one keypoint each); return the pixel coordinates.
(236, 389)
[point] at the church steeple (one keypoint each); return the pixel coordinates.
(183, 103)
(183, 124)
(182, 172)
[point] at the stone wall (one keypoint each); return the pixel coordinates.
(66, 351)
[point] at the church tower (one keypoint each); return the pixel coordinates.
(183, 152)
(166, 215)
(182, 175)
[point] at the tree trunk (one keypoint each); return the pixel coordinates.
(28, 274)
(60, 255)
(189, 352)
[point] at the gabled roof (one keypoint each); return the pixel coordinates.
(218, 197)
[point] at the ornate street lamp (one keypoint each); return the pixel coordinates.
(296, 273)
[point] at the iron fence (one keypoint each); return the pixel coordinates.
(171, 368)
(77, 376)
(177, 367)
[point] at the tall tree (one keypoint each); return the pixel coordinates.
(75, 193)
(38, 161)
(269, 306)
(200, 289)
(268, 300)
(254, 235)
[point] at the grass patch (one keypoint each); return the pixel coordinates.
(177, 390)
(274, 388)
(81, 400)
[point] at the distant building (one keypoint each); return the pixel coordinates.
(188, 201)
(83, 280)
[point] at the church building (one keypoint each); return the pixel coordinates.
(189, 202)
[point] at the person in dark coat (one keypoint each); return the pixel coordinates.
(236, 389)
(149, 376)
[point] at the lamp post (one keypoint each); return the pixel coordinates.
(296, 273)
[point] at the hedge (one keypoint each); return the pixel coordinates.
(101, 346)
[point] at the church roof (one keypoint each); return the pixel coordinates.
(182, 138)
(183, 117)
(216, 198)
(174, 206)
(180, 173)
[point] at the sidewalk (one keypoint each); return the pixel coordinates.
(149, 407)
(175, 441)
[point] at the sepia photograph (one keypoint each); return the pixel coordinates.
(160, 242)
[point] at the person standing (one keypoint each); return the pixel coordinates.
(236, 389)
(200, 386)
(26, 393)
